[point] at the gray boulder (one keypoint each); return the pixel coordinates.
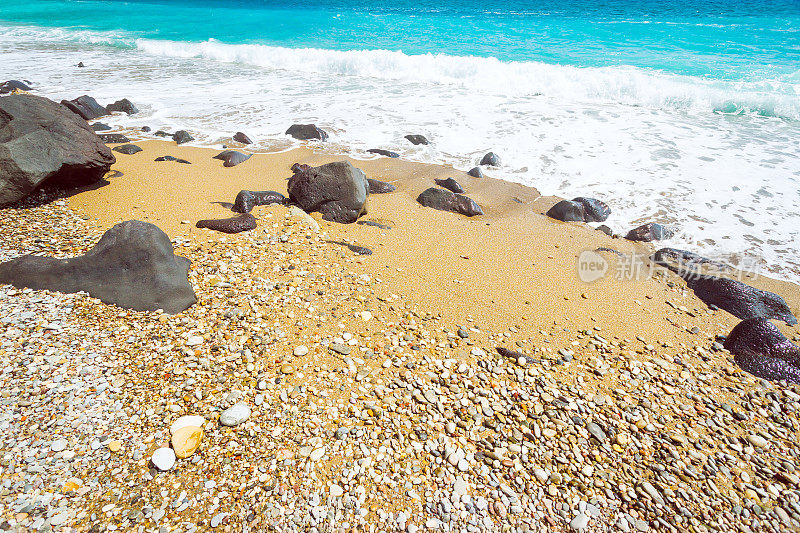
(475, 172)
(122, 106)
(649, 232)
(86, 107)
(182, 137)
(41, 141)
(337, 190)
(448, 201)
(232, 158)
(132, 266)
(417, 139)
(306, 132)
(491, 159)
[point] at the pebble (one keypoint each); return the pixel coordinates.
(184, 421)
(163, 459)
(58, 445)
(235, 415)
(580, 522)
(757, 440)
(186, 441)
(300, 350)
(336, 491)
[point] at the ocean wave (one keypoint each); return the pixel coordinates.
(625, 85)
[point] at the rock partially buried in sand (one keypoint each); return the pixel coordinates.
(233, 416)
(380, 187)
(237, 224)
(127, 149)
(450, 184)
(10, 86)
(739, 299)
(232, 158)
(240, 137)
(122, 106)
(182, 137)
(113, 138)
(163, 459)
(580, 210)
(172, 158)
(132, 266)
(417, 139)
(41, 141)
(306, 132)
(247, 200)
(491, 160)
(85, 106)
(687, 264)
(385, 153)
(649, 232)
(338, 191)
(476, 172)
(762, 350)
(448, 201)
(186, 440)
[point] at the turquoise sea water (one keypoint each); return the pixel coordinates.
(685, 112)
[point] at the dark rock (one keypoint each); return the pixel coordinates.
(146, 129)
(240, 137)
(595, 210)
(358, 250)
(306, 132)
(649, 232)
(605, 229)
(448, 201)
(127, 149)
(567, 211)
(687, 264)
(381, 151)
(739, 299)
(491, 159)
(113, 138)
(162, 133)
(380, 187)
(232, 158)
(99, 126)
(132, 266)
(172, 158)
(417, 139)
(300, 167)
(80, 65)
(380, 224)
(13, 85)
(247, 200)
(476, 172)
(237, 224)
(609, 250)
(85, 106)
(41, 141)
(514, 356)
(762, 350)
(337, 190)
(122, 106)
(182, 137)
(450, 184)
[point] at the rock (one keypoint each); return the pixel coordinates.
(58, 445)
(186, 441)
(122, 106)
(300, 351)
(336, 491)
(757, 440)
(182, 137)
(80, 64)
(448, 201)
(99, 126)
(240, 137)
(186, 421)
(127, 149)
(232, 158)
(739, 299)
(132, 266)
(594, 209)
(247, 200)
(417, 139)
(762, 350)
(13, 85)
(233, 416)
(649, 232)
(517, 357)
(146, 129)
(597, 432)
(450, 184)
(40, 141)
(162, 133)
(380, 187)
(86, 107)
(491, 159)
(113, 138)
(381, 151)
(567, 211)
(163, 459)
(237, 224)
(306, 132)
(299, 167)
(687, 264)
(172, 158)
(580, 522)
(652, 492)
(217, 519)
(476, 172)
(337, 190)
(605, 229)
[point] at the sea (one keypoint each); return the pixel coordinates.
(683, 112)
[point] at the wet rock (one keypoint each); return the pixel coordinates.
(132, 266)
(299, 167)
(247, 200)
(113, 138)
(127, 149)
(86, 107)
(448, 201)
(122, 106)
(237, 224)
(80, 64)
(381, 151)
(651, 231)
(41, 141)
(450, 184)
(380, 187)
(146, 129)
(307, 132)
(567, 211)
(762, 350)
(240, 137)
(739, 299)
(182, 137)
(476, 172)
(338, 191)
(99, 126)
(162, 133)
(605, 229)
(417, 139)
(10, 86)
(232, 158)
(172, 158)
(594, 209)
(491, 159)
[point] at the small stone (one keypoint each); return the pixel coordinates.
(580, 522)
(186, 440)
(596, 432)
(163, 459)
(194, 340)
(235, 415)
(757, 440)
(336, 491)
(184, 421)
(217, 519)
(115, 446)
(287, 369)
(300, 351)
(58, 445)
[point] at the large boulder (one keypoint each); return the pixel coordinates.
(337, 190)
(739, 299)
(490, 159)
(306, 132)
(580, 209)
(447, 201)
(132, 266)
(182, 137)
(762, 350)
(594, 209)
(122, 106)
(41, 141)
(86, 107)
(13, 85)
